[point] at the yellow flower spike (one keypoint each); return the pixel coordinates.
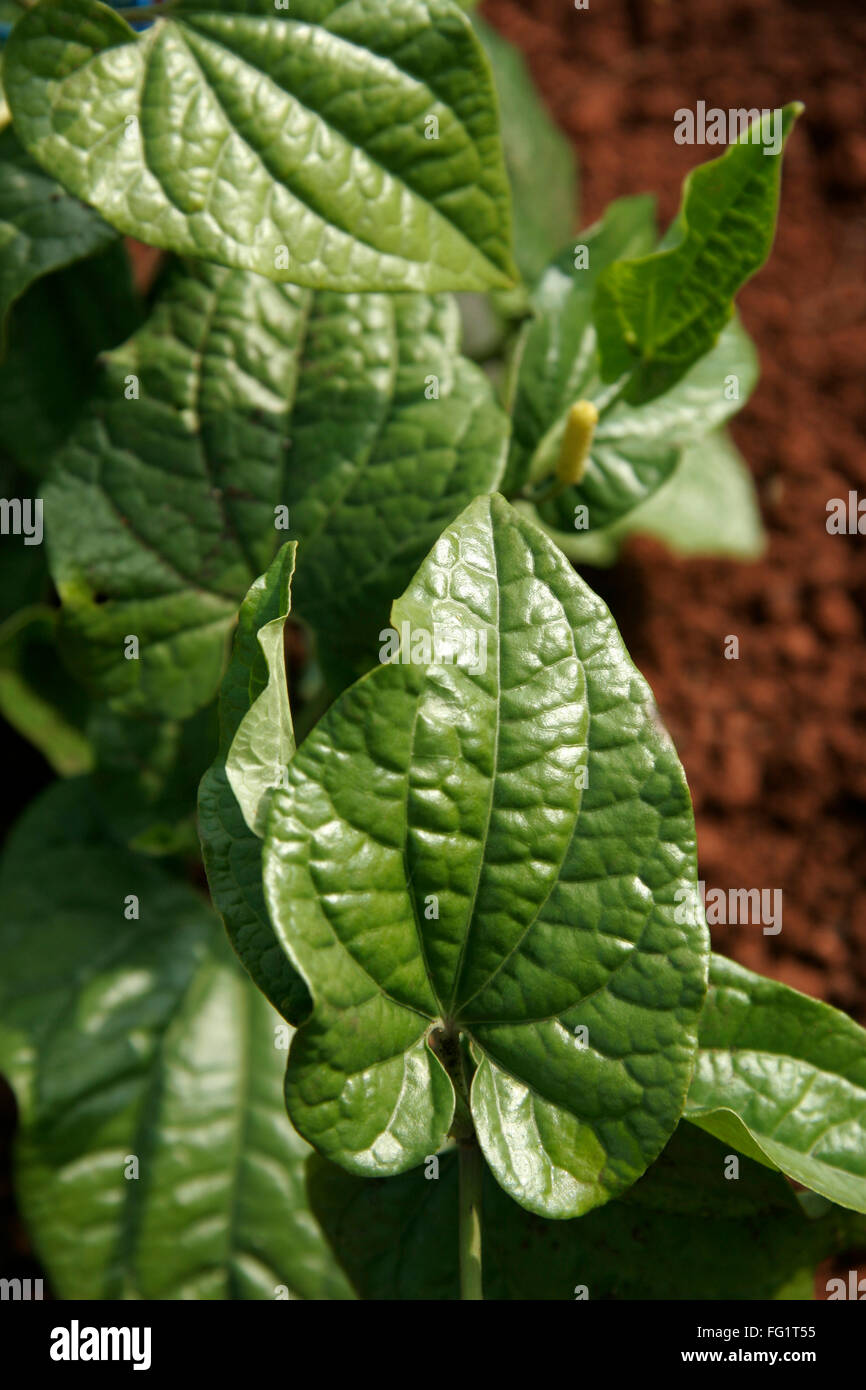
(576, 442)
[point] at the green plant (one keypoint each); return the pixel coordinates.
(464, 908)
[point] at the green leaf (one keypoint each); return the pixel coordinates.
(556, 355)
(256, 741)
(295, 144)
(41, 226)
(783, 1078)
(56, 331)
(393, 433)
(50, 714)
(436, 859)
(264, 739)
(634, 448)
(708, 506)
(541, 166)
(684, 1231)
(162, 508)
(146, 777)
(655, 316)
(142, 1039)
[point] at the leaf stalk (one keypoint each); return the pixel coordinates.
(471, 1174)
(447, 1044)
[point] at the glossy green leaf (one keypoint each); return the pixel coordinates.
(239, 398)
(782, 1077)
(635, 448)
(55, 334)
(264, 739)
(708, 506)
(49, 712)
(256, 741)
(337, 145)
(541, 166)
(684, 1231)
(141, 1039)
(393, 433)
(436, 858)
(657, 315)
(41, 226)
(556, 355)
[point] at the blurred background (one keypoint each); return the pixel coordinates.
(774, 744)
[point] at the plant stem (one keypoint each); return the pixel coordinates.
(471, 1169)
(445, 1042)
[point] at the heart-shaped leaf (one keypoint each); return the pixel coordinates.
(341, 146)
(485, 838)
(782, 1077)
(41, 227)
(237, 400)
(634, 448)
(656, 315)
(154, 1158)
(686, 1230)
(256, 741)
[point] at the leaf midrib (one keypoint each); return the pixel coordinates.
(399, 178)
(482, 857)
(556, 879)
(662, 340)
(179, 22)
